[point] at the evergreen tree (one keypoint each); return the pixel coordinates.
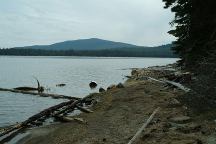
(195, 29)
(195, 25)
(182, 23)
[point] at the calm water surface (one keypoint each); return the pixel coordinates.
(75, 72)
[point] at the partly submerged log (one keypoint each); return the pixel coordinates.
(61, 85)
(47, 112)
(54, 111)
(56, 96)
(39, 88)
(26, 88)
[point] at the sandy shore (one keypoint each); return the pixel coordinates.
(120, 112)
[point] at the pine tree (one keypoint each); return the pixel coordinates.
(182, 23)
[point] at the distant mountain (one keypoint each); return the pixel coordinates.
(81, 44)
(91, 47)
(159, 51)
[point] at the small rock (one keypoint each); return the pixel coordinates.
(181, 119)
(128, 77)
(101, 89)
(147, 91)
(111, 87)
(92, 84)
(206, 132)
(184, 107)
(199, 141)
(120, 85)
(143, 78)
(134, 72)
(174, 103)
(88, 101)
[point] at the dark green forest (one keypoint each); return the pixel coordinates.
(160, 51)
(194, 26)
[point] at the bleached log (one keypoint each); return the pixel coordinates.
(70, 119)
(138, 133)
(84, 109)
(153, 79)
(178, 85)
(64, 118)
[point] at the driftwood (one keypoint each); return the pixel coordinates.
(10, 137)
(35, 117)
(70, 107)
(54, 111)
(69, 119)
(153, 79)
(39, 88)
(178, 85)
(84, 109)
(179, 77)
(56, 96)
(61, 85)
(143, 127)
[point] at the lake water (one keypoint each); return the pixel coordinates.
(75, 72)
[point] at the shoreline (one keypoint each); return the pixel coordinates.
(120, 112)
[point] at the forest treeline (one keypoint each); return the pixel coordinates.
(194, 26)
(161, 51)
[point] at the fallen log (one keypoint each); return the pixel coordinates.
(138, 133)
(153, 79)
(179, 77)
(56, 96)
(69, 119)
(53, 111)
(178, 85)
(10, 137)
(84, 109)
(33, 118)
(61, 85)
(71, 106)
(39, 88)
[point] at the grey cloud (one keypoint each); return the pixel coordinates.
(29, 22)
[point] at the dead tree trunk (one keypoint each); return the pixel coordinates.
(56, 96)
(138, 133)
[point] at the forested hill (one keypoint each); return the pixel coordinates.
(159, 51)
(81, 44)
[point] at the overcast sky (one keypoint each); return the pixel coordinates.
(30, 22)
